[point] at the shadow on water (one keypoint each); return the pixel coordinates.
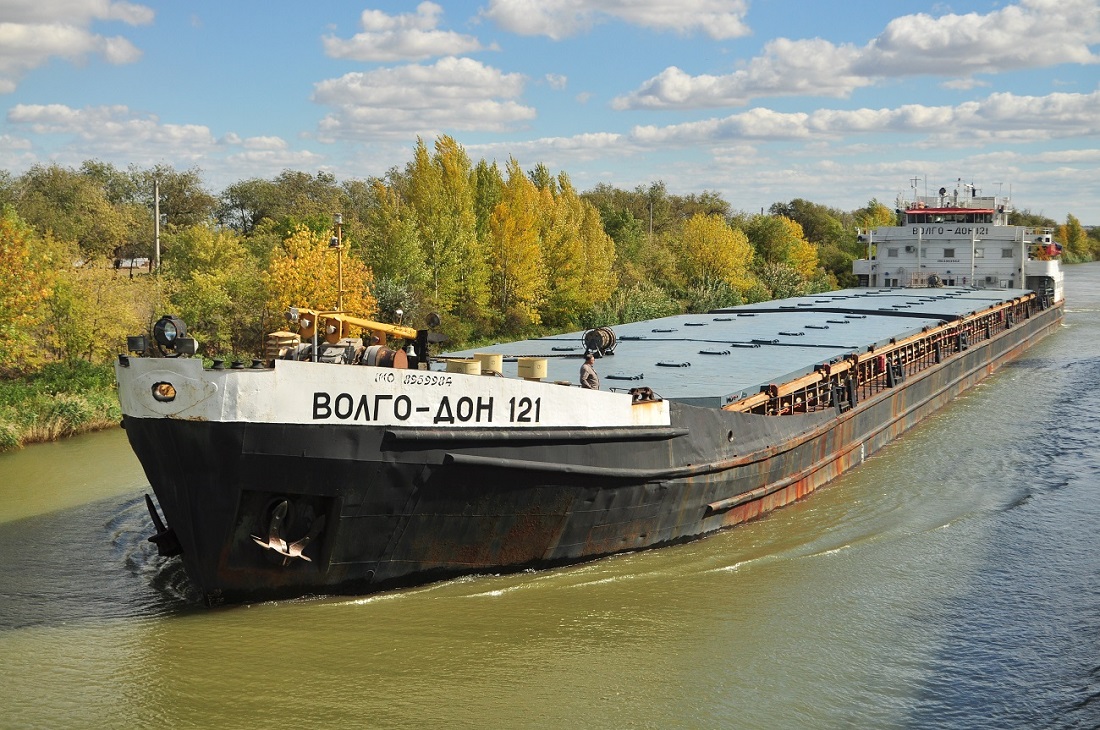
(87, 563)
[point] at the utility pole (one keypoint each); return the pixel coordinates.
(337, 242)
(156, 225)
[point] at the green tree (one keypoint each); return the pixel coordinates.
(875, 215)
(821, 225)
(488, 187)
(440, 194)
(184, 201)
(391, 248)
(217, 289)
(243, 205)
(73, 207)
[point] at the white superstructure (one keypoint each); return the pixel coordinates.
(960, 238)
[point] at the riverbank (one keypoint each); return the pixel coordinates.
(62, 399)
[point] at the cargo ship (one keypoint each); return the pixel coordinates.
(351, 459)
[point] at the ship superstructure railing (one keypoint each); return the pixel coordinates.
(842, 383)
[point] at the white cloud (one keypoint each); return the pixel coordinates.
(267, 144)
(451, 94)
(16, 153)
(118, 135)
(1032, 34)
(998, 119)
(581, 146)
(964, 84)
(77, 12)
(114, 132)
(401, 37)
(1003, 117)
(33, 32)
(557, 81)
(557, 19)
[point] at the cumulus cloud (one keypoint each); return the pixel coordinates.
(557, 81)
(451, 94)
(1002, 117)
(408, 37)
(578, 147)
(113, 130)
(121, 136)
(1031, 34)
(557, 19)
(33, 32)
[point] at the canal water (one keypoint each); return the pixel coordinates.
(951, 582)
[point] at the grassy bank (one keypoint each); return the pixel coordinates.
(62, 399)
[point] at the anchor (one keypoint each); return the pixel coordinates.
(274, 540)
(165, 539)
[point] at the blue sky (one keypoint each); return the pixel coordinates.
(759, 100)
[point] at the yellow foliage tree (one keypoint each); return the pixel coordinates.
(804, 258)
(24, 287)
(562, 255)
(518, 272)
(711, 251)
(304, 274)
(94, 308)
(1074, 238)
(600, 276)
(875, 215)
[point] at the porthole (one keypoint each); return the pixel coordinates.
(164, 392)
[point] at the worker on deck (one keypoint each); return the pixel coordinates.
(589, 379)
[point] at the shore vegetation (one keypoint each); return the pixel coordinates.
(498, 252)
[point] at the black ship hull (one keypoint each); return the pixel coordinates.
(373, 506)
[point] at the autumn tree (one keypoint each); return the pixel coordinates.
(578, 256)
(821, 225)
(24, 286)
(875, 215)
(93, 309)
(1074, 239)
(775, 238)
(303, 273)
(518, 274)
(711, 251)
(600, 275)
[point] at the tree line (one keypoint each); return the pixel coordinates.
(498, 252)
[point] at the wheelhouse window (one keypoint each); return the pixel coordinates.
(1006, 253)
(892, 253)
(949, 253)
